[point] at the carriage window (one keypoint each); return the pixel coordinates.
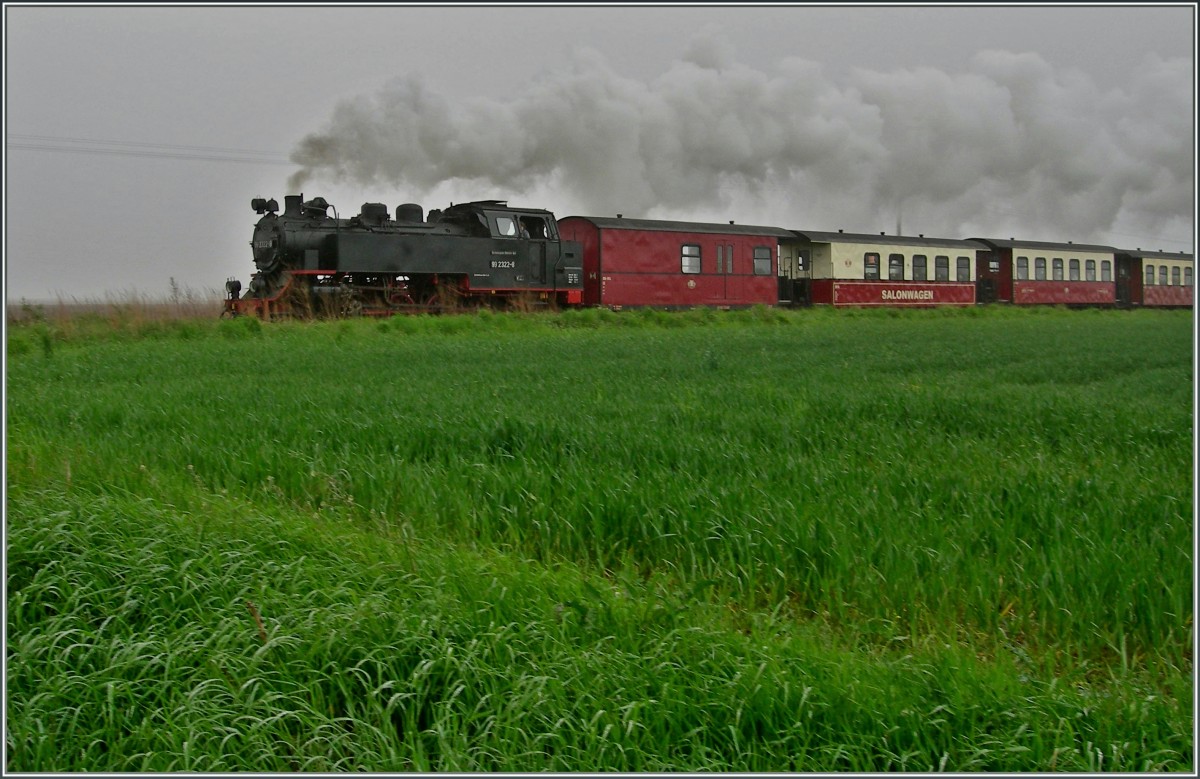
(964, 268)
(1057, 268)
(919, 267)
(1039, 269)
(1074, 266)
(1105, 270)
(762, 260)
(1022, 267)
(1175, 276)
(690, 258)
(895, 267)
(1089, 270)
(1149, 275)
(941, 268)
(1162, 275)
(871, 266)
(1187, 277)
(506, 226)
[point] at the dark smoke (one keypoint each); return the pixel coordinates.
(1010, 147)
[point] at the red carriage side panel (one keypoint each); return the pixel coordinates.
(646, 263)
(1064, 293)
(1171, 296)
(892, 294)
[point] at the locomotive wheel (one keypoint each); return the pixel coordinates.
(352, 306)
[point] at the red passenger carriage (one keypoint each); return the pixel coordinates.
(644, 262)
(1155, 279)
(1042, 273)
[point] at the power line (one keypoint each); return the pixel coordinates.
(48, 143)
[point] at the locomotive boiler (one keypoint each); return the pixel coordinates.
(311, 263)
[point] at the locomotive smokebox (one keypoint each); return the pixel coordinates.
(409, 212)
(373, 214)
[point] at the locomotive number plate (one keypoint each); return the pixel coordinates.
(504, 263)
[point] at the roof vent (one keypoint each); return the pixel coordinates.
(730, 221)
(620, 215)
(882, 233)
(840, 230)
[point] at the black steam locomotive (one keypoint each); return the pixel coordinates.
(312, 264)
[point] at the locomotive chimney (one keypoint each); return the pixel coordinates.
(291, 205)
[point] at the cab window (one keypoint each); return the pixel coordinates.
(506, 226)
(533, 227)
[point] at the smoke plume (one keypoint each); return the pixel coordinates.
(1012, 146)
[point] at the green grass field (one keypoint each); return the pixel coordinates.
(733, 541)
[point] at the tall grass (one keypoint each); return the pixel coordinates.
(752, 540)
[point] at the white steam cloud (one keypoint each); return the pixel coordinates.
(1010, 147)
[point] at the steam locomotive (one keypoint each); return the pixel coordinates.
(312, 264)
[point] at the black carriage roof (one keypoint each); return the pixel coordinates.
(813, 236)
(1147, 255)
(1012, 243)
(621, 223)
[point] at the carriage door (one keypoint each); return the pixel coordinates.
(1128, 269)
(803, 278)
(993, 280)
(730, 286)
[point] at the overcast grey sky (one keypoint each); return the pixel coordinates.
(136, 136)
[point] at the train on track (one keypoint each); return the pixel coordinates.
(310, 263)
